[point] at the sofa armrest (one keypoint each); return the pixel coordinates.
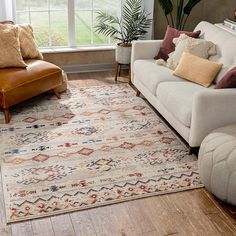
(144, 49)
(211, 109)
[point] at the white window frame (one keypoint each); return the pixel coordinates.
(71, 25)
(147, 4)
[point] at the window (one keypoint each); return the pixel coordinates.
(65, 22)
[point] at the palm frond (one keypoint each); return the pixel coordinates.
(136, 29)
(107, 30)
(105, 17)
(133, 24)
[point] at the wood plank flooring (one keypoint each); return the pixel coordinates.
(194, 212)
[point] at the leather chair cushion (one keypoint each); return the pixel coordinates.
(19, 84)
(13, 77)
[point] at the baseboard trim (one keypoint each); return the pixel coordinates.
(88, 68)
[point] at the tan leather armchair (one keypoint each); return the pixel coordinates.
(20, 84)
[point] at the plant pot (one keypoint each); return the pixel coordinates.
(123, 54)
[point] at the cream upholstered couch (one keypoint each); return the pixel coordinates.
(192, 110)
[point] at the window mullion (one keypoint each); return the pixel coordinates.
(92, 19)
(14, 14)
(30, 21)
(71, 23)
(49, 24)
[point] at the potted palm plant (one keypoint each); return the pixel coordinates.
(132, 25)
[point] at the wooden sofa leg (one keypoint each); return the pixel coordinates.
(56, 93)
(190, 150)
(6, 115)
(138, 93)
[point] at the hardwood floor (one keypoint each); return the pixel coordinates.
(194, 212)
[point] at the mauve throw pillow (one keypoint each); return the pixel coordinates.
(168, 46)
(228, 80)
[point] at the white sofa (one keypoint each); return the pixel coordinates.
(192, 110)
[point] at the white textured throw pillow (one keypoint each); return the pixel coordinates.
(198, 47)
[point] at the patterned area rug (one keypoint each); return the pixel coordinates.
(95, 146)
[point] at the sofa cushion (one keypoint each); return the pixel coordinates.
(177, 98)
(168, 46)
(228, 81)
(198, 47)
(197, 70)
(150, 74)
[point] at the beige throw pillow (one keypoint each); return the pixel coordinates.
(28, 46)
(197, 70)
(198, 47)
(10, 54)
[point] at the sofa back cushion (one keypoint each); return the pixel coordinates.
(225, 45)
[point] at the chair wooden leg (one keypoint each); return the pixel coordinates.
(6, 115)
(56, 93)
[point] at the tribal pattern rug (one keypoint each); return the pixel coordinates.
(95, 146)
